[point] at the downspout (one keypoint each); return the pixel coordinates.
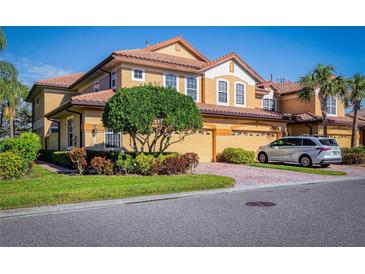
(310, 129)
(59, 132)
(110, 77)
(79, 113)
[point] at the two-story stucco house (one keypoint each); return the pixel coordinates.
(239, 108)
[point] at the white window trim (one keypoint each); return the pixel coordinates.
(217, 92)
(137, 79)
(244, 94)
(197, 86)
(333, 115)
(98, 81)
(115, 80)
(177, 79)
(69, 118)
(113, 148)
(275, 100)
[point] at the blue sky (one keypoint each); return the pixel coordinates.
(289, 52)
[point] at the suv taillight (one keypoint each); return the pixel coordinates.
(322, 149)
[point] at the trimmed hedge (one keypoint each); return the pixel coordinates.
(60, 158)
(237, 156)
(355, 155)
(12, 166)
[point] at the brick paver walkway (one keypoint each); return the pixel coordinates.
(247, 175)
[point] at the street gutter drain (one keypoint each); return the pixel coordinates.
(260, 204)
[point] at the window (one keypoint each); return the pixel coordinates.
(240, 94)
(170, 81)
(113, 79)
(308, 142)
(70, 133)
(278, 143)
(222, 92)
(293, 142)
(53, 128)
(112, 139)
(331, 105)
(192, 87)
(328, 142)
(268, 104)
(96, 86)
(138, 75)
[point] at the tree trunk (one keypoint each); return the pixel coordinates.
(323, 102)
(354, 140)
(11, 122)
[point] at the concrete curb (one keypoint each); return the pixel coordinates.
(32, 211)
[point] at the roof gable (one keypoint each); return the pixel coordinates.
(179, 47)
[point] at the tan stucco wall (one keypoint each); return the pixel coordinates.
(292, 104)
(210, 92)
(177, 49)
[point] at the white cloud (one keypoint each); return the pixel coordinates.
(29, 71)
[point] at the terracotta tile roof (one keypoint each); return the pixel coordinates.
(262, 91)
(239, 111)
(234, 56)
(265, 84)
(174, 40)
(61, 81)
(95, 99)
(160, 58)
(309, 117)
(288, 87)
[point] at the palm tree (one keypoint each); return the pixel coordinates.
(10, 92)
(323, 81)
(354, 96)
(2, 39)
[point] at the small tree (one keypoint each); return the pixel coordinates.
(151, 115)
(354, 96)
(78, 157)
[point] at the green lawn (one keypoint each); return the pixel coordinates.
(320, 171)
(46, 188)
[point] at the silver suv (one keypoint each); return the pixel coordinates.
(305, 150)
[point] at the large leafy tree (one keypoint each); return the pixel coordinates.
(154, 117)
(353, 97)
(323, 82)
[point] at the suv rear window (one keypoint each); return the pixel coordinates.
(328, 142)
(308, 142)
(293, 142)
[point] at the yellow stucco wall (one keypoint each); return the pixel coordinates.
(292, 104)
(177, 49)
(210, 91)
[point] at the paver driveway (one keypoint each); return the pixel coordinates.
(247, 175)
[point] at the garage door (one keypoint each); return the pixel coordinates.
(246, 140)
(200, 142)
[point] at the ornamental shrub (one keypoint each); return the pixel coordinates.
(144, 164)
(78, 157)
(12, 166)
(126, 163)
(60, 158)
(355, 155)
(237, 156)
(26, 145)
(102, 166)
(192, 160)
(174, 165)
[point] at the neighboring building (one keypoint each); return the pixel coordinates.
(239, 108)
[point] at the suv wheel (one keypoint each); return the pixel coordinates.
(262, 157)
(305, 161)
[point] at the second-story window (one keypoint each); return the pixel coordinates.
(192, 87)
(138, 75)
(222, 92)
(171, 81)
(96, 86)
(268, 104)
(240, 94)
(113, 80)
(331, 105)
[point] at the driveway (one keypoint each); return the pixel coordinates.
(247, 175)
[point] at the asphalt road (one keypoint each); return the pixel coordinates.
(309, 215)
